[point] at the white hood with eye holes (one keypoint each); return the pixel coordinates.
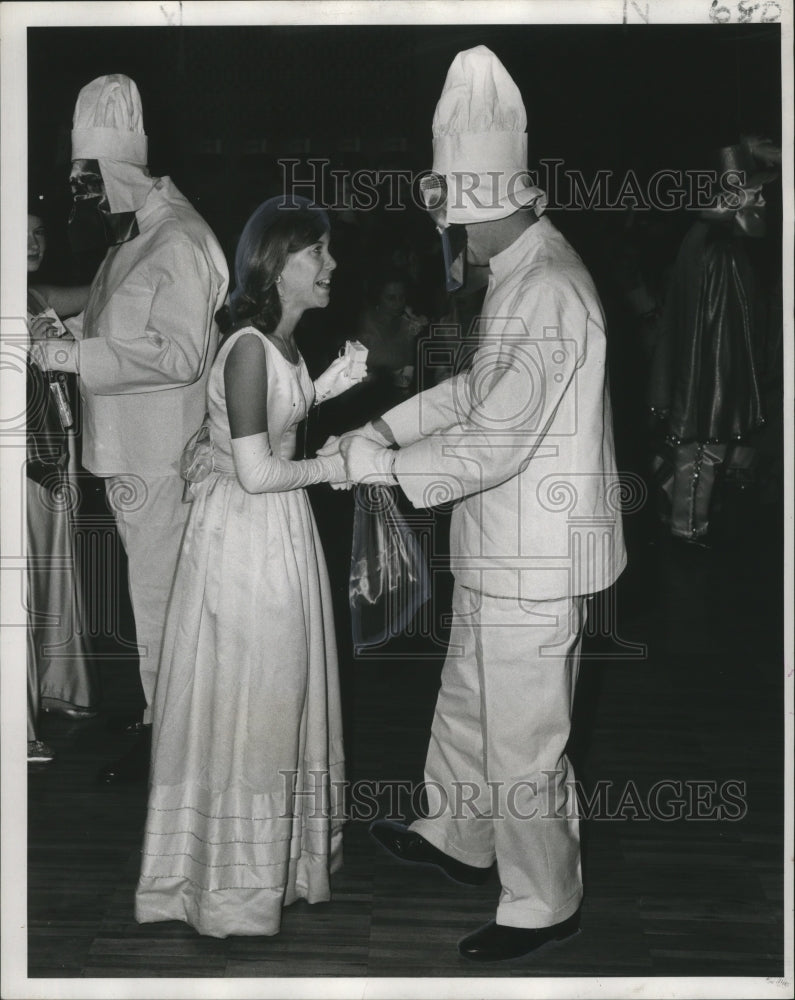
(108, 127)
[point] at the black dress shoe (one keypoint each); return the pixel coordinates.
(137, 728)
(495, 942)
(133, 766)
(70, 711)
(412, 848)
(128, 725)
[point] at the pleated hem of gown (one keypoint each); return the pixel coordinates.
(238, 911)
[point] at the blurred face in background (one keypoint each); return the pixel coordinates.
(392, 300)
(37, 243)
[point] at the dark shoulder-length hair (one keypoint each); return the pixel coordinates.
(280, 226)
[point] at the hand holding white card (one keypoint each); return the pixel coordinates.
(356, 354)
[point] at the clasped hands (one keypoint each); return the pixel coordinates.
(366, 455)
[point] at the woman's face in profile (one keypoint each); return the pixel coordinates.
(37, 243)
(393, 298)
(306, 278)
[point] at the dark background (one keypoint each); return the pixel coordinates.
(664, 899)
(222, 105)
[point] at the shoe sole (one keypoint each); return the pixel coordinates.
(428, 864)
(529, 955)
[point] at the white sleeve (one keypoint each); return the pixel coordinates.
(260, 471)
(522, 371)
(431, 410)
(163, 325)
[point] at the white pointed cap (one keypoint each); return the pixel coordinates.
(480, 141)
(108, 121)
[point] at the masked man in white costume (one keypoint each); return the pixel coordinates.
(142, 350)
(523, 443)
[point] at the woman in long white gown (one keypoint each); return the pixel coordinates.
(245, 804)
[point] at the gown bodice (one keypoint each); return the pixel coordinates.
(290, 395)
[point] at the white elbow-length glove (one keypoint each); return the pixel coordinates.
(260, 471)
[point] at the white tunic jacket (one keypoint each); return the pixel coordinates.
(523, 441)
(147, 339)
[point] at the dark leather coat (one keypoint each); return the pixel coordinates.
(705, 376)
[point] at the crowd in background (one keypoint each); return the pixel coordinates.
(388, 292)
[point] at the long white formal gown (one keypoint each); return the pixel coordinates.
(245, 802)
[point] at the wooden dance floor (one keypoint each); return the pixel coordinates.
(694, 895)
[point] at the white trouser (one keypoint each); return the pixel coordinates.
(150, 518)
(499, 784)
